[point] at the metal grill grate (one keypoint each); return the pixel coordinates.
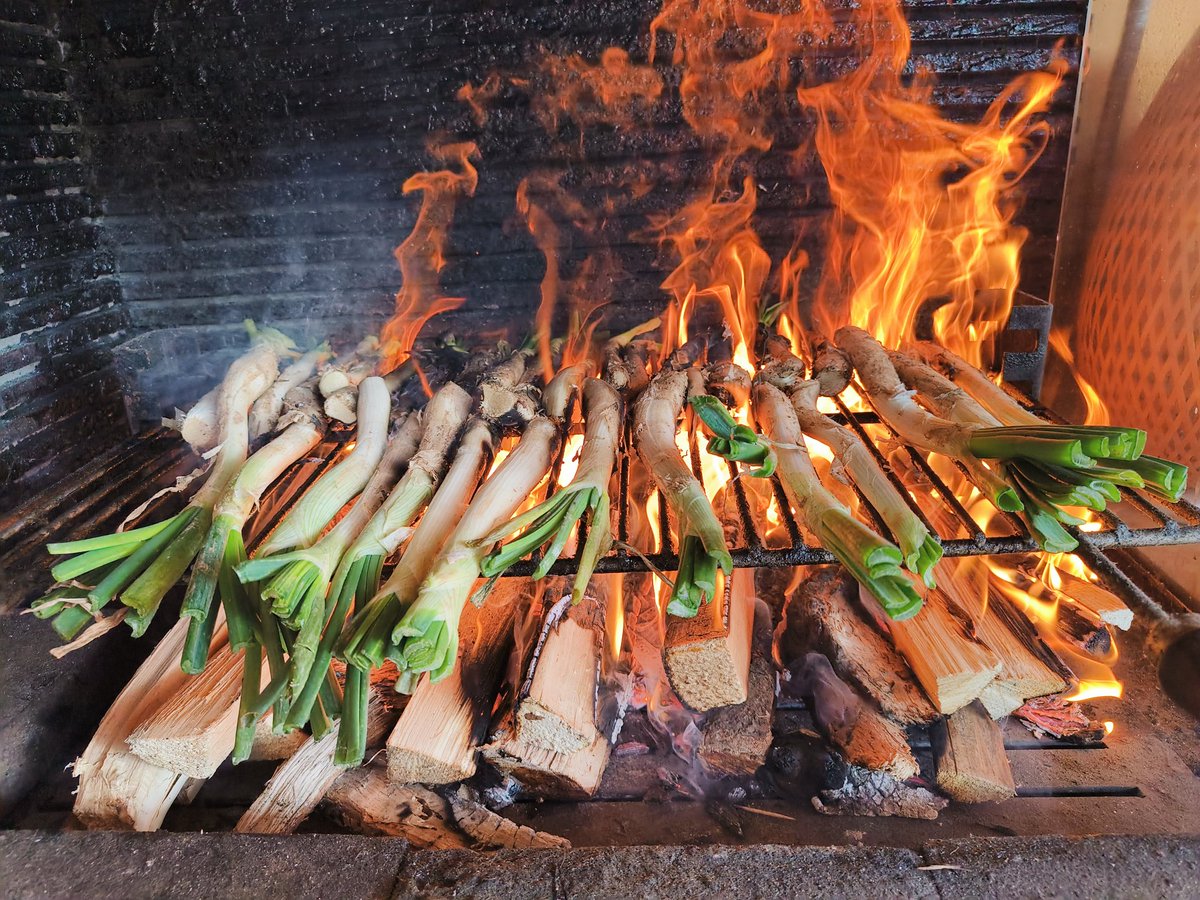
(1140, 520)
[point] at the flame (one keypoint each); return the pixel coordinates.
(1090, 690)
(536, 196)
(614, 621)
(1108, 727)
(923, 206)
(422, 255)
(616, 92)
(502, 452)
(1097, 411)
(570, 459)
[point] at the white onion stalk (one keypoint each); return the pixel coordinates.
(198, 426)
(306, 520)
(428, 633)
(223, 549)
(873, 561)
(552, 522)
(920, 548)
(264, 414)
(702, 547)
(156, 556)
(351, 556)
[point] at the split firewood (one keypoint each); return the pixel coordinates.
(118, 789)
(735, 739)
(1107, 606)
(304, 778)
(1081, 629)
(1029, 668)
(544, 773)
(868, 793)
(563, 686)
(366, 802)
(436, 738)
(952, 666)
(192, 732)
(820, 615)
(972, 766)
(707, 657)
(491, 831)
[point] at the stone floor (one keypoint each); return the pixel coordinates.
(102, 865)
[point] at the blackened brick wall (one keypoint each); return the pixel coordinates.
(60, 312)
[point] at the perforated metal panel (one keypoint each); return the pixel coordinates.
(1138, 334)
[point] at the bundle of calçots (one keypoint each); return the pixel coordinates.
(413, 484)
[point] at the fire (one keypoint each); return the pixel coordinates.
(422, 255)
(1097, 411)
(923, 206)
(570, 459)
(1090, 690)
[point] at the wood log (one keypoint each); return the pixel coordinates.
(879, 744)
(735, 739)
(436, 738)
(303, 779)
(491, 831)
(707, 657)
(1029, 668)
(192, 732)
(971, 763)
(563, 686)
(269, 745)
(544, 773)
(867, 793)
(1080, 628)
(952, 666)
(118, 789)
(365, 801)
(821, 616)
(1107, 606)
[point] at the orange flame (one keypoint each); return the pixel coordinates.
(923, 206)
(1097, 411)
(422, 254)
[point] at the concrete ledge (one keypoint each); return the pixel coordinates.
(104, 864)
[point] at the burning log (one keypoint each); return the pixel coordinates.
(366, 802)
(971, 764)
(735, 739)
(1082, 630)
(436, 738)
(304, 778)
(951, 665)
(564, 776)
(865, 736)
(563, 685)
(820, 615)
(1106, 606)
(1060, 719)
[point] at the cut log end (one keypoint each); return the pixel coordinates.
(971, 764)
(707, 658)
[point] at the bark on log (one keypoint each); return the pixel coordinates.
(491, 831)
(1108, 607)
(736, 739)
(365, 801)
(971, 763)
(821, 616)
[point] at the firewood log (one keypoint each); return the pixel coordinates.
(821, 616)
(735, 739)
(365, 801)
(491, 831)
(436, 739)
(708, 657)
(971, 764)
(1108, 607)
(303, 779)
(118, 789)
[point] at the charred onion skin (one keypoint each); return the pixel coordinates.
(701, 538)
